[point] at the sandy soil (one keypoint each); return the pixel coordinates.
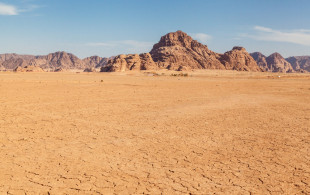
(216, 132)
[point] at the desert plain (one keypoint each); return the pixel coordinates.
(212, 132)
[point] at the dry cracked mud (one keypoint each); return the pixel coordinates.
(214, 133)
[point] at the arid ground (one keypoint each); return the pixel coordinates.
(217, 132)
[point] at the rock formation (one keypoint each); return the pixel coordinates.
(130, 62)
(29, 68)
(276, 63)
(273, 63)
(89, 70)
(239, 59)
(300, 63)
(12, 63)
(177, 51)
(95, 61)
(260, 60)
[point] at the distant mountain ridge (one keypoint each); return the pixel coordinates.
(276, 63)
(300, 62)
(174, 51)
(51, 62)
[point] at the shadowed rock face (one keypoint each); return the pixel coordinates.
(178, 50)
(276, 63)
(260, 60)
(300, 63)
(239, 59)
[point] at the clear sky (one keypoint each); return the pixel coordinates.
(111, 27)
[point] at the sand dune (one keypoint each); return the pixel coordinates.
(220, 132)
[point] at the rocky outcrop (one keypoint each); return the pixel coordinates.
(177, 51)
(29, 68)
(12, 63)
(95, 61)
(260, 60)
(276, 63)
(89, 70)
(59, 70)
(300, 63)
(58, 60)
(130, 62)
(239, 59)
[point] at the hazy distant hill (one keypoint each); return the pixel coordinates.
(300, 62)
(276, 63)
(52, 61)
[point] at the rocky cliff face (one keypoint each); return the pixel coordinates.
(130, 62)
(277, 63)
(239, 59)
(260, 60)
(300, 63)
(177, 50)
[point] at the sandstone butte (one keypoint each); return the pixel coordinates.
(178, 51)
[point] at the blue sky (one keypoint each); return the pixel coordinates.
(111, 27)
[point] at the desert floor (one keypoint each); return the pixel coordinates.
(218, 132)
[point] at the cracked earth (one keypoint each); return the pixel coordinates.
(67, 133)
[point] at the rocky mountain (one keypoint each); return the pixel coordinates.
(178, 51)
(8, 56)
(300, 63)
(273, 63)
(130, 62)
(58, 60)
(96, 61)
(12, 63)
(51, 62)
(277, 63)
(239, 59)
(260, 60)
